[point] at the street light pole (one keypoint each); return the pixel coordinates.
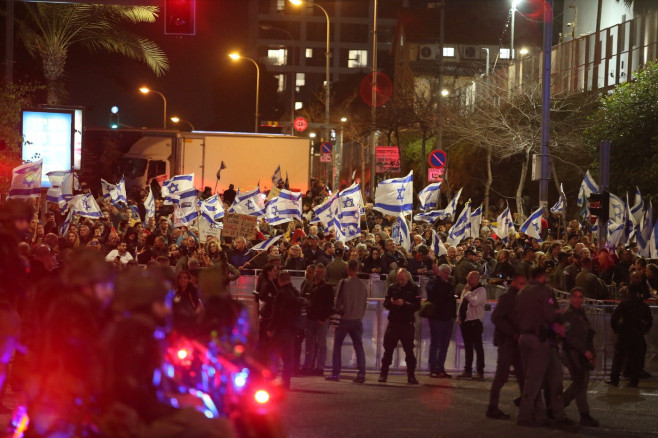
(546, 104)
(176, 119)
(235, 56)
(515, 3)
(145, 90)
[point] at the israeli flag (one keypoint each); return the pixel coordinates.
(448, 213)
(149, 206)
(61, 187)
(119, 193)
(558, 208)
(350, 198)
(587, 187)
(429, 197)
(277, 175)
(284, 208)
(400, 232)
(638, 207)
(476, 221)
(428, 216)
(616, 209)
(505, 225)
(86, 206)
(644, 234)
(66, 224)
(653, 243)
(172, 188)
(249, 203)
(349, 223)
(212, 209)
(26, 181)
(532, 226)
(324, 213)
(615, 234)
(437, 246)
(265, 245)
(186, 206)
(107, 189)
(395, 196)
(461, 229)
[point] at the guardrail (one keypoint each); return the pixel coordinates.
(376, 320)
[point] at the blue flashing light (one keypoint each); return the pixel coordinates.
(114, 109)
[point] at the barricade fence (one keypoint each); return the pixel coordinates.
(376, 320)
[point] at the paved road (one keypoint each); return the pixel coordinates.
(316, 408)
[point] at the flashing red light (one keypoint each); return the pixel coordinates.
(182, 354)
(261, 396)
(238, 349)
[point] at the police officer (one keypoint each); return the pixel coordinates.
(506, 338)
(579, 355)
(536, 313)
(402, 301)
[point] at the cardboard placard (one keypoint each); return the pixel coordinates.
(207, 228)
(236, 225)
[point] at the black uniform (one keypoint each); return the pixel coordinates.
(578, 339)
(286, 313)
(401, 320)
(506, 337)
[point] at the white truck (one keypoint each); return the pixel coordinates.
(250, 159)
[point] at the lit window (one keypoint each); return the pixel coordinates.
(277, 56)
(300, 80)
(280, 5)
(504, 53)
(298, 105)
(280, 79)
(449, 52)
(309, 53)
(357, 58)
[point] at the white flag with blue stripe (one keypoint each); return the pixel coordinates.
(461, 229)
(429, 197)
(26, 181)
(476, 221)
(61, 187)
(325, 212)
(86, 206)
(349, 224)
(350, 198)
(587, 187)
(119, 193)
(532, 226)
(149, 206)
(505, 225)
(277, 175)
(437, 246)
(653, 243)
(560, 204)
(249, 203)
(63, 231)
(395, 196)
(173, 187)
(616, 209)
(400, 232)
(108, 188)
(212, 209)
(265, 244)
(638, 207)
(428, 216)
(644, 234)
(284, 208)
(185, 207)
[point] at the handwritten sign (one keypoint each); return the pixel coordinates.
(209, 229)
(236, 225)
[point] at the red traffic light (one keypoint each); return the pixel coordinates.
(180, 17)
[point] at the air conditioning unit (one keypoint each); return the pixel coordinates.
(428, 51)
(471, 52)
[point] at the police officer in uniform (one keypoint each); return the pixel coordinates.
(506, 338)
(536, 313)
(402, 301)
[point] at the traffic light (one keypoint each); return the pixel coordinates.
(114, 117)
(599, 205)
(180, 17)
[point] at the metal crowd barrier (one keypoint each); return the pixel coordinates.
(376, 320)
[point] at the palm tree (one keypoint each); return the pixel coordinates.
(49, 30)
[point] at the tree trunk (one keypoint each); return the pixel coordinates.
(53, 61)
(519, 190)
(487, 185)
(363, 173)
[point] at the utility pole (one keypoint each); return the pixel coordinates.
(439, 134)
(373, 107)
(546, 104)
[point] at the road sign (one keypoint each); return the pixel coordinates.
(300, 124)
(435, 174)
(326, 148)
(387, 159)
(325, 158)
(438, 158)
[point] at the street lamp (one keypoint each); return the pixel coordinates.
(327, 56)
(176, 119)
(235, 57)
(515, 3)
(146, 90)
(292, 72)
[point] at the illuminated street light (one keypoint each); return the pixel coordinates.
(146, 90)
(523, 51)
(237, 56)
(445, 93)
(343, 119)
(177, 120)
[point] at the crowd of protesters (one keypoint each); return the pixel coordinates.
(289, 318)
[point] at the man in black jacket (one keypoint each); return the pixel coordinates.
(441, 293)
(631, 320)
(506, 338)
(402, 302)
(320, 307)
(283, 325)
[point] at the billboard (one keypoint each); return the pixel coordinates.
(387, 159)
(49, 134)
